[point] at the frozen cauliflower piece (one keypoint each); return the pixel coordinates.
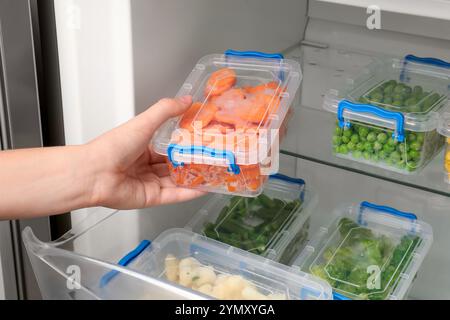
(206, 289)
(203, 275)
(249, 293)
(171, 264)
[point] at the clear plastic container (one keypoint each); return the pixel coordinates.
(223, 272)
(388, 115)
(95, 260)
(369, 252)
(274, 225)
(444, 129)
(224, 142)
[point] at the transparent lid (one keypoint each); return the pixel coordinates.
(369, 252)
(215, 269)
(260, 225)
(240, 101)
(402, 94)
(444, 125)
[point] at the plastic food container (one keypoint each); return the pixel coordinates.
(444, 129)
(274, 225)
(227, 141)
(369, 252)
(217, 270)
(95, 260)
(388, 115)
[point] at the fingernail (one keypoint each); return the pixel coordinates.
(186, 99)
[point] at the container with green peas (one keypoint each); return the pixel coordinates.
(389, 117)
(274, 225)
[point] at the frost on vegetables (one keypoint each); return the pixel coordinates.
(349, 264)
(229, 118)
(190, 273)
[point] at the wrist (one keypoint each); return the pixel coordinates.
(92, 170)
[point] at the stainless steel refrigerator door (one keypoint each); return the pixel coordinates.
(20, 125)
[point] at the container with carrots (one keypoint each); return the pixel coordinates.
(227, 141)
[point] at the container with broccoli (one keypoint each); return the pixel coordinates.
(370, 252)
(275, 224)
(388, 116)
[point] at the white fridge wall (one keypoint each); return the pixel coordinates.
(170, 36)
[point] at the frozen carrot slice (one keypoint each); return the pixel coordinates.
(198, 115)
(262, 87)
(197, 181)
(229, 117)
(220, 81)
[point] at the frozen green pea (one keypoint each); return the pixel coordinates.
(415, 146)
(399, 88)
(336, 140)
(392, 142)
(338, 131)
(403, 147)
(345, 139)
(343, 149)
(368, 146)
(382, 137)
(388, 148)
(383, 154)
(366, 155)
(357, 154)
(354, 138)
(351, 146)
(377, 146)
(347, 132)
(363, 132)
(413, 154)
(420, 137)
(360, 146)
(372, 137)
(395, 156)
(375, 157)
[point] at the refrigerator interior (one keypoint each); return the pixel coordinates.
(147, 48)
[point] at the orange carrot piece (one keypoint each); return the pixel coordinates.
(262, 87)
(198, 115)
(220, 81)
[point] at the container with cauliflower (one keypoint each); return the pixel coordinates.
(219, 271)
(274, 225)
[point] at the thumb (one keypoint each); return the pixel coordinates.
(151, 119)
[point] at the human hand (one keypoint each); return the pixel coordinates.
(129, 175)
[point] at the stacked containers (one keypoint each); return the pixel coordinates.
(444, 129)
(226, 142)
(274, 225)
(369, 252)
(388, 116)
(217, 270)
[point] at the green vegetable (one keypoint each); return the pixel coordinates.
(347, 262)
(253, 223)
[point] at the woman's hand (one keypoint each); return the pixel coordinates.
(116, 170)
(129, 174)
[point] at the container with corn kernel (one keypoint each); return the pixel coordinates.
(444, 129)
